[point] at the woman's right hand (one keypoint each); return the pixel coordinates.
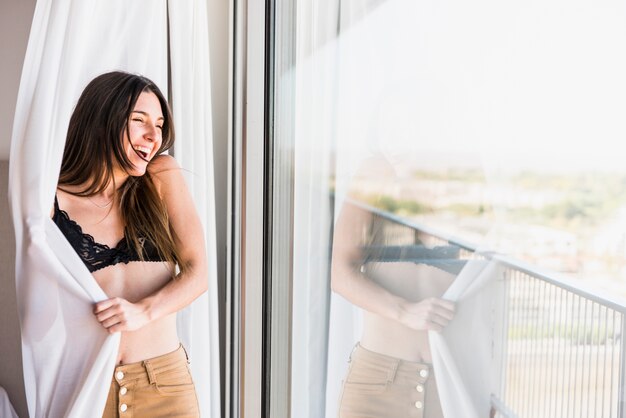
(432, 314)
(117, 314)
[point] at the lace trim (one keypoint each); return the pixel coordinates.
(95, 255)
(89, 236)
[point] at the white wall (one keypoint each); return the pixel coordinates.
(10, 348)
(15, 20)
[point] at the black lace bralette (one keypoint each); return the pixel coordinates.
(97, 256)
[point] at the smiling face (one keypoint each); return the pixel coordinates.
(143, 138)
(120, 123)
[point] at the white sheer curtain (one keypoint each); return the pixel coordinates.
(198, 325)
(67, 372)
(6, 409)
(314, 75)
(467, 355)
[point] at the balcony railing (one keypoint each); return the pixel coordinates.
(564, 353)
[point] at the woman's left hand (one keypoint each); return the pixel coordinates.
(118, 314)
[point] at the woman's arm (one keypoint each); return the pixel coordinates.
(118, 314)
(348, 280)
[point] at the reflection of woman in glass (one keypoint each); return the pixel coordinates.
(126, 210)
(390, 374)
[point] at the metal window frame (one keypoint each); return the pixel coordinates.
(260, 230)
(280, 83)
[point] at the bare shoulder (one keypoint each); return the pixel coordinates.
(162, 163)
(165, 169)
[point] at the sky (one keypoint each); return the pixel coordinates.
(539, 84)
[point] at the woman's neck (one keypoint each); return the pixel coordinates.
(107, 194)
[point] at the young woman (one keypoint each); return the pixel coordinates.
(125, 208)
(390, 373)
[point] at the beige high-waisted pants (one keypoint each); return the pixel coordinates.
(379, 386)
(155, 388)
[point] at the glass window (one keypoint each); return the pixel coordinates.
(457, 205)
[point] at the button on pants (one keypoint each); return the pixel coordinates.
(379, 386)
(153, 388)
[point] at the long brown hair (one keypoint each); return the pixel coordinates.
(95, 144)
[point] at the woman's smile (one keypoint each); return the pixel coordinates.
(144, 135)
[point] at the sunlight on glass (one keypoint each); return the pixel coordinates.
(466, 153)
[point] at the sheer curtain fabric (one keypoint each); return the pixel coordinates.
(68, 357)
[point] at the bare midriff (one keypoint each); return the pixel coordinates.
(133, 282)
(413, 282)
(390, 338)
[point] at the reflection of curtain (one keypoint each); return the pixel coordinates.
(315, 77)
(467, 354)
(68, 357)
